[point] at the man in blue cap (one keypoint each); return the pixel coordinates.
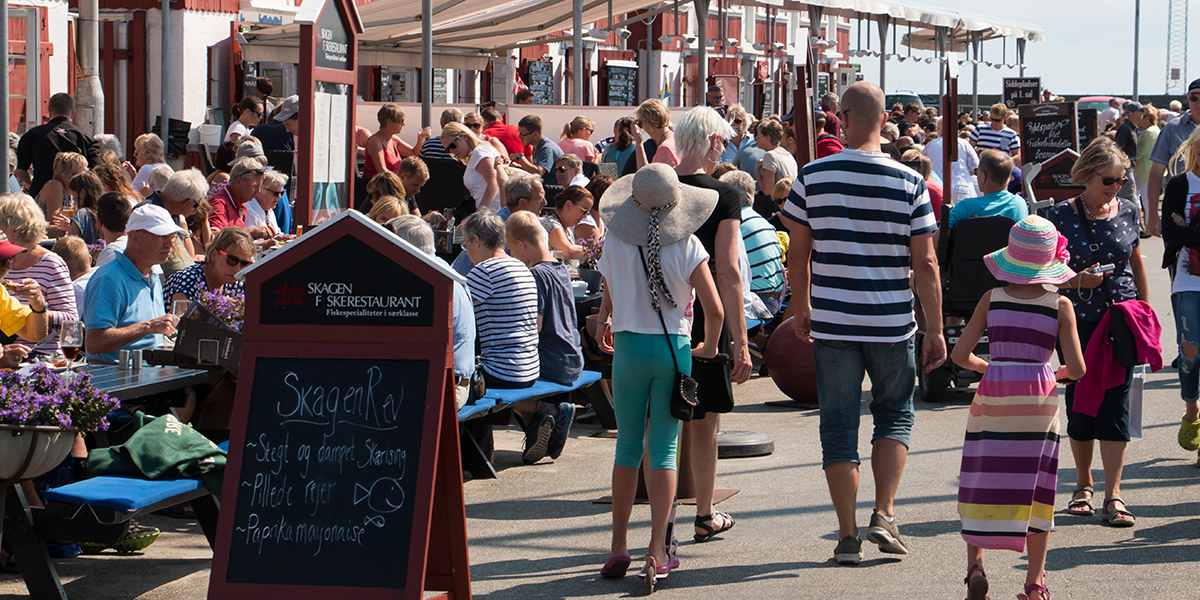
(1169, 141)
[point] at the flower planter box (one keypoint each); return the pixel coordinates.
(28, 451)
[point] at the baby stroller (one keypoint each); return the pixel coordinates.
(964, 281)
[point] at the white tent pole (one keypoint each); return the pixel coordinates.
(577, 51)
(884, 22)
(427, 62)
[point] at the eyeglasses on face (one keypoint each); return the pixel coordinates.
(1194, 98)
(276, 193)
(1114, 180)
(562, 168)
(234, 261)
(475, 125)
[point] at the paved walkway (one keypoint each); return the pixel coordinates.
(535, 532)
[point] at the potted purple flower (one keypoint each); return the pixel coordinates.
(40, 413)
(229, 310)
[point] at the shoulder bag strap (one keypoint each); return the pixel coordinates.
(661, 320)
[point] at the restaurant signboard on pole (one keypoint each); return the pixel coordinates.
(329, 31)
(344, 477)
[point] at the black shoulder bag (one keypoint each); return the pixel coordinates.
(684, 394)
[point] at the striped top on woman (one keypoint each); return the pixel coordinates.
(506, 310)
(1010, 456)
(50, 271)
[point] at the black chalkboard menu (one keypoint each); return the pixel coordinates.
(622, 84)
(439, 86)
(327, 472)
(1089, 126)
(1019, 91)
(540, 79)
(1046, 130)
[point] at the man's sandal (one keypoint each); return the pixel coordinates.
(977, 583)
(1120, 517)
(1081, 502)
(705, 522)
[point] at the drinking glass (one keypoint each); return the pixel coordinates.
(68, 206)
(180, 307)
(71, 338)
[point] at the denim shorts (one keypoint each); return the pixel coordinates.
(1186, 306)
(840, 369)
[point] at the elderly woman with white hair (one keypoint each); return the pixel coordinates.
(181, 196)
(260, 212)
(700, 138)
(22, 222)
(148, 154)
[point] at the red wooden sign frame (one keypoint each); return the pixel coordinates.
(310, 74)
(438, 544)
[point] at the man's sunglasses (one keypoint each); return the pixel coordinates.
(234, 261)
(1114, 180)
(276, 193)
(1194, 98)
(738, 121)
(475, 125)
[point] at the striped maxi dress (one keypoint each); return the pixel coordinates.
(1010, 455)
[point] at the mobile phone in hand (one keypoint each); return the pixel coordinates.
(1105, 268)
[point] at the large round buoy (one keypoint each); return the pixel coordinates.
(791, 363)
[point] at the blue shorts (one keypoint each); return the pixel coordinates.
(1186, 306)
(840, 370)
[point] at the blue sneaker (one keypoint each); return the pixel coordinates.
(562, 428)
(537, 438)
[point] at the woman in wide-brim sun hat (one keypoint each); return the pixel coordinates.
(1036, 254)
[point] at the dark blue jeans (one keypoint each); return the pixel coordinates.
(840, 369)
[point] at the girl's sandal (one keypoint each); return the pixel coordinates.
(977, 583)
(706, 523)
(649, 575)
(1119, 517)
(1081, 502)
(1043, 592)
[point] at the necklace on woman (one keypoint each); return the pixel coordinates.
(1099, 213)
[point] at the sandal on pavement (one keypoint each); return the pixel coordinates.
(652, 572)
(1081, 502)
(977, 583)
(616, 566)
(1120, 517)
(706, 523)
(1041, 589)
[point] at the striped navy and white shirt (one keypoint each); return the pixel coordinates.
(1005, 139)
(863, 209)
(433, 148)
(506, 308)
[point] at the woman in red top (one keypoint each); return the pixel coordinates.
(384, 149)
(913, 159)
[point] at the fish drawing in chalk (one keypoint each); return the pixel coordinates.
(384, 496)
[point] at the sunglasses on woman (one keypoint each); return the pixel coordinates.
(453, 145)
(234, 261)
(1114, 180)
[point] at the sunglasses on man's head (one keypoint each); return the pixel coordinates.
(234, 261)
(1114, 180)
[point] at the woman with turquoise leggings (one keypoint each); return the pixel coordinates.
(653, 267)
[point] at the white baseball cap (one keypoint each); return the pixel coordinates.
(155, 219)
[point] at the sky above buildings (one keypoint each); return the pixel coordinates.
(1088, 47)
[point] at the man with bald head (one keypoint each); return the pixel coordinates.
(859, 223)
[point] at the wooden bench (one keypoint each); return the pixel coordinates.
(479, 416)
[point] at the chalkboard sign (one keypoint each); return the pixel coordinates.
(327, 472)
(1019, 91)
(622, 84)
(1046, 130)
(1089, 126)
(349, 283)
(1053, 180)
(439, 86)
(540, 80)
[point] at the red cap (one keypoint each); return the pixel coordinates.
(9, 249)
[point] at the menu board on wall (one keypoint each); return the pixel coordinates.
(1019, 91)
(622, 83)
(1046, 130)
(439, 86)
(540, 79)
(1089, 125)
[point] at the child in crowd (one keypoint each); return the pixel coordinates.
(559, 350)
(1010, 456)
(75, 253)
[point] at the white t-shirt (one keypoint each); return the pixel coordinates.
(781, 162)
(143, 176)
(1184, 281)
(237, 129)
(1107, 116)
(256, 216)
(627, 285)
(80, 286)
(475, 183)
(962, 169)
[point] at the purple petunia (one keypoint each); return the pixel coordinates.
(231, 310)
(42, 397)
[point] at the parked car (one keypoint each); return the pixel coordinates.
(903, 98)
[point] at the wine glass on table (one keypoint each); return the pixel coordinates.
(71, 339)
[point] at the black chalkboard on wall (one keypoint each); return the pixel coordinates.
(1089, 126)
(1019, 91)
(540, 79)
(329, 472)
(1046, 130)
(622, 84)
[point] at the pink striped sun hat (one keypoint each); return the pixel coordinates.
(1036, 253)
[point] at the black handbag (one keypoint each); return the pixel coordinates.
(684, 394)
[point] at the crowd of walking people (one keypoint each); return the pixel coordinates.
(699, 225)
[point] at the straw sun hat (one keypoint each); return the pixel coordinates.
(1036, 253)
(654, 191)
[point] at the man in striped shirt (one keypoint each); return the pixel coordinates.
(859, 223)
(997, 136)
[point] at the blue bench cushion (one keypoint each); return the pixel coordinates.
(121, 493)
(495, 398)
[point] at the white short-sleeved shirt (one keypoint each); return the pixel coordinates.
(506, 309)
(1184, 281)
(256, 216)
(236, 131)
(781, 162)
(474, 182)
(627, 285)
(143, 176)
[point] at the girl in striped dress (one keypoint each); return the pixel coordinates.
(1010, 456)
